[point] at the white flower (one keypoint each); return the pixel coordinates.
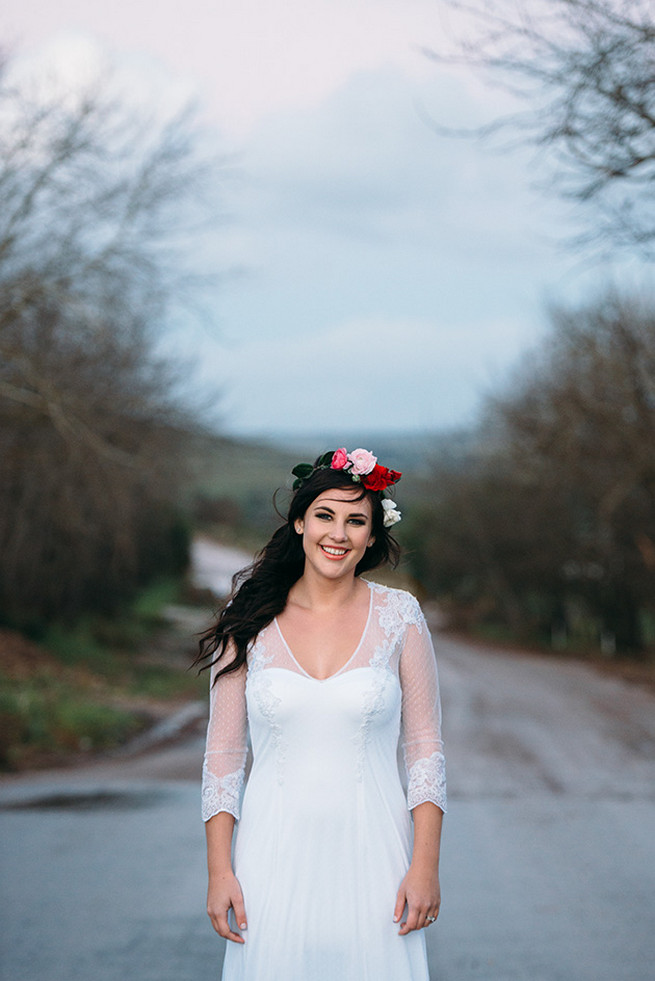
(391, 513)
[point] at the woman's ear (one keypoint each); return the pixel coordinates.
(299, 525)
(371, 541)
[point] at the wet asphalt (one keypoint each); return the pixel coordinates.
(548, 870)
(548, 867)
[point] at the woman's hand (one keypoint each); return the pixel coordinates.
(420, 892)
(224, 893)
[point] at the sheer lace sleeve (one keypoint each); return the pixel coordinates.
(223, 767)
(421, 718)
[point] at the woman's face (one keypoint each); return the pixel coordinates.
(336, 531)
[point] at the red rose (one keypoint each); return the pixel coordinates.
(379, 478)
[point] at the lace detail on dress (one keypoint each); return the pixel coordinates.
(221, 793)
(399, 610)
(267, 702)
(427, 781)
(373, 703)
(381, 656)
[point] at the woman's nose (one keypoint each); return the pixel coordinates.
(338, 532)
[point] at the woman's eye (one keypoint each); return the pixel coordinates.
(324, 516)
(356, 521)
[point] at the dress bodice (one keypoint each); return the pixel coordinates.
(325, 736)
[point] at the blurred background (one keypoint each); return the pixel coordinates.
(233, 236)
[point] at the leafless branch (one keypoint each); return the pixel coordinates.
(585, 70)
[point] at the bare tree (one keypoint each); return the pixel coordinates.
(583, 422)
(555, 521)
(95, 198)
(585, 70)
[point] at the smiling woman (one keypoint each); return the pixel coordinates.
(323, 672)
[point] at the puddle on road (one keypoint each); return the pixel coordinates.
(85, 800)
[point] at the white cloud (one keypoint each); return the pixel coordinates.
(251, 57)
(369, 373)
(362, 165)
(71, 62)
(393, 272)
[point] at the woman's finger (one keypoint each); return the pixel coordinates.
(222, 927)
(400, 905)
(411, 923)
(240, 912)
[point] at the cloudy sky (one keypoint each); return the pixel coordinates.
(391, 276)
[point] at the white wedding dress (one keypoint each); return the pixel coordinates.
(324, 837)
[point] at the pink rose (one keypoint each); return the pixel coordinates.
(339, 459)
(363, 461)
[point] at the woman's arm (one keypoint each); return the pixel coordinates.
(223, 776)
(424, 760)
(224, 892)
(419, 891)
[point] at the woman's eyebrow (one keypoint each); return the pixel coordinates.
(351, 514)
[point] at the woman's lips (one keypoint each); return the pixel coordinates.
(334, 553)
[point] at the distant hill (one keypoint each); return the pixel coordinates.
(415, 453)
(237, 480)
(234, 481)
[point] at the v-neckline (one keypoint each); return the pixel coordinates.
(352, 656)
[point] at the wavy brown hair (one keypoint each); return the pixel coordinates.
(260, 591)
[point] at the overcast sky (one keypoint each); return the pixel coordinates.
(391, 275)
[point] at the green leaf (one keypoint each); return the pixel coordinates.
(326, 459)
(303, 470)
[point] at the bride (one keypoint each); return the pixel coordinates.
(318, 674)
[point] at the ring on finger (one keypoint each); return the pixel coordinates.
(431, 919)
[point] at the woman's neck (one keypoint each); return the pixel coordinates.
(317, 593)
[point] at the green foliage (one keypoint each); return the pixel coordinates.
(103, 643)
(164, 683)
(154, 597)
(48, 718)
(233, 486)
(78, 646)
(120, 669)
(303, 470)
(96, 688)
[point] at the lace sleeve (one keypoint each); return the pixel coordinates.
(223, 767)
(421, 718)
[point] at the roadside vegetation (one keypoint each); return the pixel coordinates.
(545, 531)
(93, 685)
(100, 195)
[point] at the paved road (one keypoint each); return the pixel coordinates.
(214, 565)
(549, 845)
(549, 850)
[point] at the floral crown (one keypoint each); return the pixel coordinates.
(362, 468)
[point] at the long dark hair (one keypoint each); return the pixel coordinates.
(260, 591)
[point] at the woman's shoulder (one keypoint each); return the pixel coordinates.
(396, 604)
